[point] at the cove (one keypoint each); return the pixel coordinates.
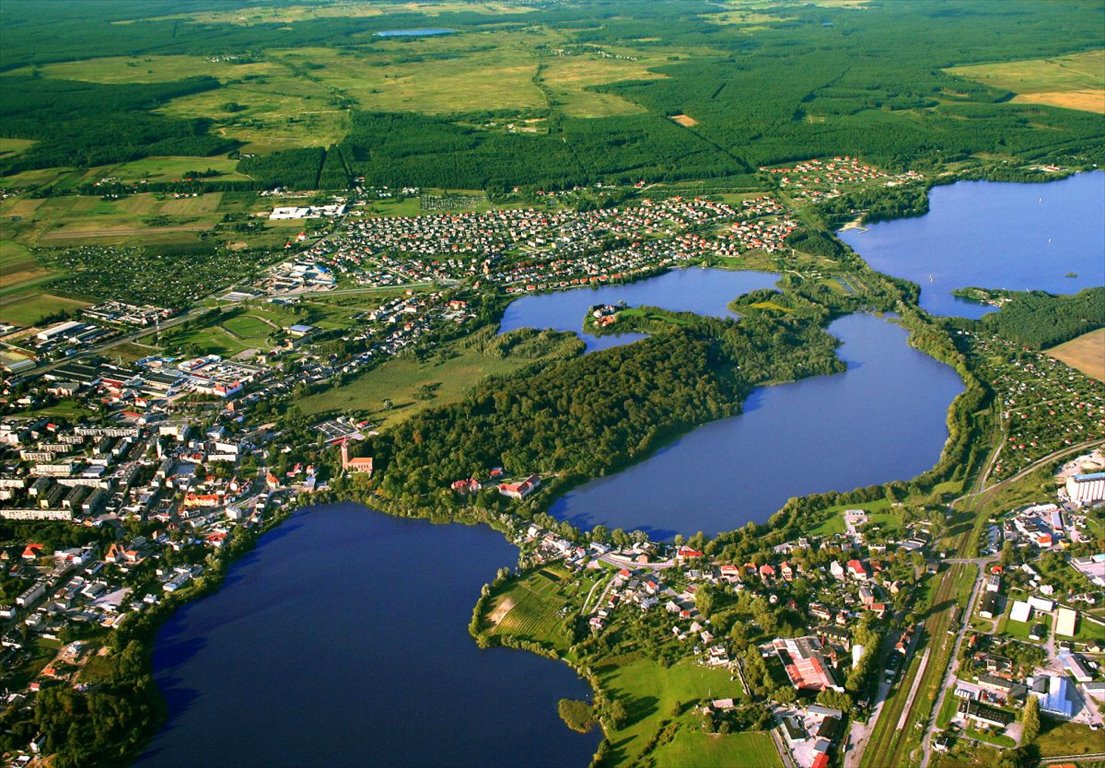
(994, 235)
(342, 640)
(704, 291)
(881, 420)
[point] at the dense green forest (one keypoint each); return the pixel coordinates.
(84, 124)
(1037, 319)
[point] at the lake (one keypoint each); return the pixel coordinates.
(882, 420)
(695, 289)
(342, 640)
(414, 32)
(994, 235)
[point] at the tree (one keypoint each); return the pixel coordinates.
(618, 715)
(1031, 720)
(577, 715)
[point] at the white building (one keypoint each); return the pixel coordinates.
(1086, 489)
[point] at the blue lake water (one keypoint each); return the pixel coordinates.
(882, 420)
(414, 32)
(696, 289)
(995, 235)
(342, 640)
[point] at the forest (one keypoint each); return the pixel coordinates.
(1036, 319)
(85, 124)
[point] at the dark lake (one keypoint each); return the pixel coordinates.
(704, 291)
(995, 235)
(414, 32)
(882, 420)
(342, 640)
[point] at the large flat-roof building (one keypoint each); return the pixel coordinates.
(1065, 622)
(1086, 489)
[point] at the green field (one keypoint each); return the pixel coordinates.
(450, 376)
(29, 308)
(879, 515)
(651, 693)
(149, 69)
(747, 750)
(9, 147)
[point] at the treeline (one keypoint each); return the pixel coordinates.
(1036, 319)
(85, 124)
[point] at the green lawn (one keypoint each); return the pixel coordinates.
(651, 693)
(747, 750)
(878, 514)
(1058, 737)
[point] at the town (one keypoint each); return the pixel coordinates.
(142, 447)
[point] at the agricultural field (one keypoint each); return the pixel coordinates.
(1085, 353)
(28, 308)
(268, 112)
(18, 266)
(9, 147)
(1064, 738)
(652, 694)
(138, 219)
(444, 75)
(1073, 82)
(532, 608)
(568, 80)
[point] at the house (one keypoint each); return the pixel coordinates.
(857, 570)
(767, 572)
(520, 490)
(993, 582)
(837, 570)
(730, 573)
(990, 605)
(683, 554)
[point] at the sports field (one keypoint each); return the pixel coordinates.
(1074, 82)
(1086, 353)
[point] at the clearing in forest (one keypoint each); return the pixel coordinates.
(1075, 82)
